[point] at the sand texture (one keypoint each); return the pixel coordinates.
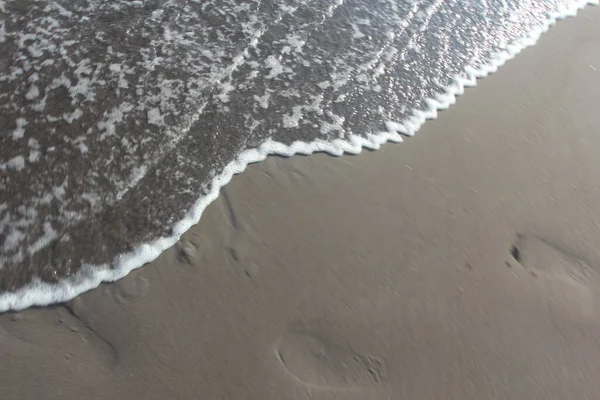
(462, 264)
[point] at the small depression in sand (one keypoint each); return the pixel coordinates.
(318, 360)
(568, 282)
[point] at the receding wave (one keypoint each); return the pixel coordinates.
(121, 120)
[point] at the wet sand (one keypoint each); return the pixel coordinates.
(462, 264)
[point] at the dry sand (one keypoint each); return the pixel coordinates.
(462, 264)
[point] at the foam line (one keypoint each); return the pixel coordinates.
(39, 293)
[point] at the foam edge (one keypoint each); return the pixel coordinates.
(38, 293)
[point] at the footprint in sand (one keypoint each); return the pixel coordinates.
(569, 282)
(127, 289)
(240, 240)
(319, 360)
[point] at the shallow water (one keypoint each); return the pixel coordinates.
(117, 116)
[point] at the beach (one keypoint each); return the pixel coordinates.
(460, 264)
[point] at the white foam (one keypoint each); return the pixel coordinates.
(357, 33)
(19, 131)
(226, 87)
(48, 236)
(263, 100)
(115, 68)
(42, 293)
(296, 43)
(2, 31)
(70, 117)
(293, 120)
(16, 163)
(32, 93)
(154, 117)
(34, 156)
(275, 66)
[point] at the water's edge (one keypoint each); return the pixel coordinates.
(40, 293)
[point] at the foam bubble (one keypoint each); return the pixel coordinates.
(17, 163)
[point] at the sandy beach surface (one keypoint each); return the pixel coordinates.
(462, 264)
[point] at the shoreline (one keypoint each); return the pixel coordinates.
(460, 265)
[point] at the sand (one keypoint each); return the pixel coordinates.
(462, 264)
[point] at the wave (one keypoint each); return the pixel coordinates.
(88, 275)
